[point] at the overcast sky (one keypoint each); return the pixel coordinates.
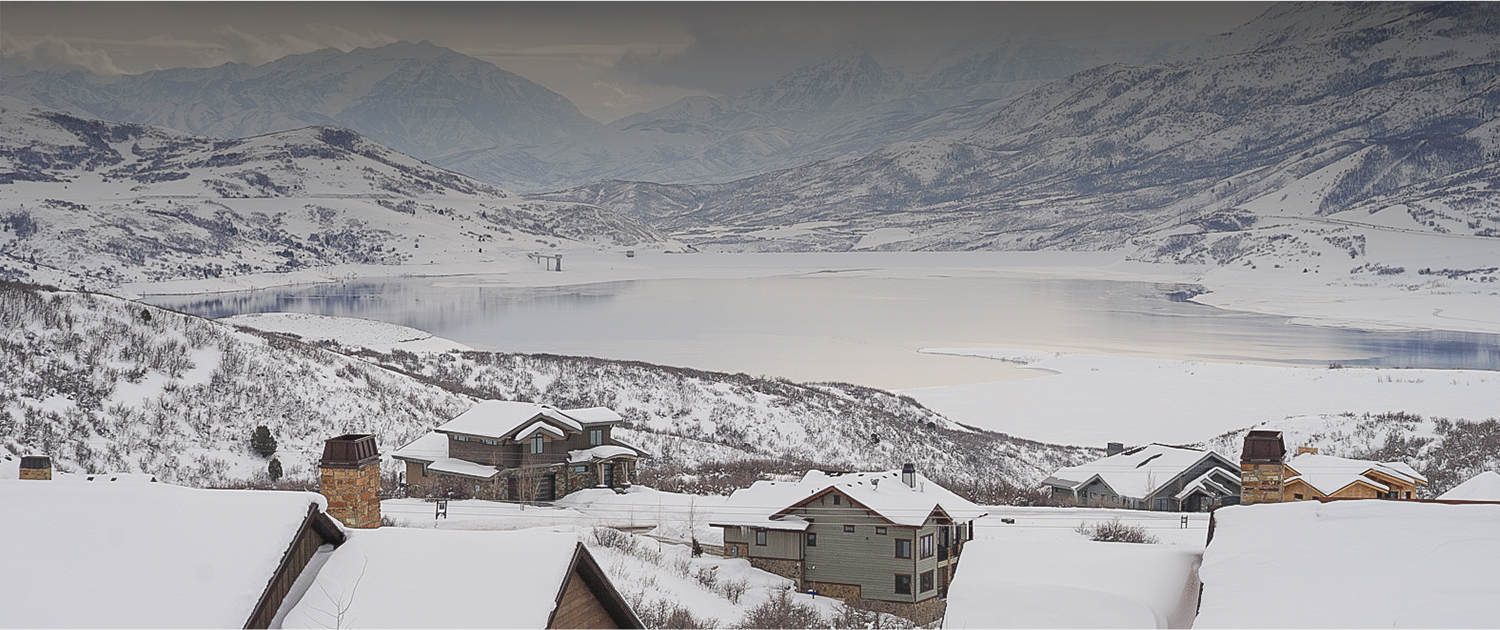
(611, 59)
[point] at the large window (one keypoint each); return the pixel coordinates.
(903, 549)
(760, 537)
(537, 445)
(903, 584)
(927, 548)
(925, 581)
(596, 437)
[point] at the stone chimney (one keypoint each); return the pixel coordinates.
(1114, 448)
(36, 467)
(1307, 450)
(909, 475)
(350, 479)
(1262, 471)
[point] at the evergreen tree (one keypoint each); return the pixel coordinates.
(274, 469)
(261, 441)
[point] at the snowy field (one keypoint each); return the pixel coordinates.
(1093, 400)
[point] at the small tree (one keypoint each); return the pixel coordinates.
(274, 469)
(261, 441)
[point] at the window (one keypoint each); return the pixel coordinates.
(760, 537)
(596, 437)
(487, 441)
(580, 469)
(537, 445)
(812, 539)
(849, 529)
(903, 550)
(925, 581)
(460, 438)
(927, 548)
(838, 500)
(1297, 496)
(880, 530)
(903, 584)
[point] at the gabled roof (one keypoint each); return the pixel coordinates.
(497, 419)
(593, 415)
(766, 503)
(1484, 486)
(1138, 472)
(1329, 474)
(421, 578)
(141, 554)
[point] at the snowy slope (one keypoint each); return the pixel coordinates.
(110, 203)
(1330, 132)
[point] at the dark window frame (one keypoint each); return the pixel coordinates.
(848, 529)
(760, 537)
(812, 539)
(925, 582)
(596, 437)
(903, 584)
(926, 546)
(838, 500)
(538, 444)
(880, 530)
(903, 548)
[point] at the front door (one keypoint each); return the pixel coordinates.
(609, 474)
(547, 487)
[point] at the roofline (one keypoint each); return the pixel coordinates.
(786, 510)
(320, 523)
(584, 566)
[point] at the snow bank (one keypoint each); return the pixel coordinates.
(1092, 399)
(353, 332)
(1073, 584)
(1352, 564)
(142, 555)
(408, 578)
(1484, 486)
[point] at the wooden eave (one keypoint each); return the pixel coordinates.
(586, 568)
(319, 523)
(787, 511)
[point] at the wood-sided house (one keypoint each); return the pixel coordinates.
(1153, 477)
(518, 451)
(887, 541)
(1310, 475)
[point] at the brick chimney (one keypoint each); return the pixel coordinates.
(1114, 448)
(350, 479)
(36, 467)
(1262, 471)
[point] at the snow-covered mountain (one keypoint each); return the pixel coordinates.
(1313, 130)
(420, 99)
(107, 385)
(107, 203)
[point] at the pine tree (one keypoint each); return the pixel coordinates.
(274, 469)
(261, 441)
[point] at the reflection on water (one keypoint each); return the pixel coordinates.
(863, 330)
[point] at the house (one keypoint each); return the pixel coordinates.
(1351, 564)
(90, 555)
(518, 451)
(887, 541)
(1484, 486)
(1267, 476)
(1153, 477)
(422, 578)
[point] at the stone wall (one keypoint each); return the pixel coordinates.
(353, 494)
(743, 548)
(834, 590)
(922, 613)
(39, 474)
(1262, 483)
(784, 568)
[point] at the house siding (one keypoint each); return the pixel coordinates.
(579, 608)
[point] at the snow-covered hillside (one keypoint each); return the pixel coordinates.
(1330, 135)
(107, 385)
(98, 203)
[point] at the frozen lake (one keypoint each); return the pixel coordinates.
(838, 326)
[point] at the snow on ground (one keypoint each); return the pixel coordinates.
(1352, 564)
(1484, 486)
(666, 515)
(1092, 400)
(353, 332)
(1334, 298)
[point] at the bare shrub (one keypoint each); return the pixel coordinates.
(1115, 531)
(732, 590)
(661, 613)
(781, 611)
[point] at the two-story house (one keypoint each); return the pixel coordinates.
(886, 541)
(1151, 477)
(519, 451)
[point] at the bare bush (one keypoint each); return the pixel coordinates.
(1115, 531)
(661, 613)
(781, 611)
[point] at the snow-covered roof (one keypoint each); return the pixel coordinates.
(1207, 483)
(420, 578)
(599, 452)
(540, 427)
(428, 448)
(79, 555)
(593, 415)
(1309, 565)
(497, 419)
(1030, 583)
(462, 467)
(1328, 473)
(881, 492)
(1484, 486)
(1331, 482)
(1135, 473)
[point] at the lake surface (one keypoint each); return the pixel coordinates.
(837, 327)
